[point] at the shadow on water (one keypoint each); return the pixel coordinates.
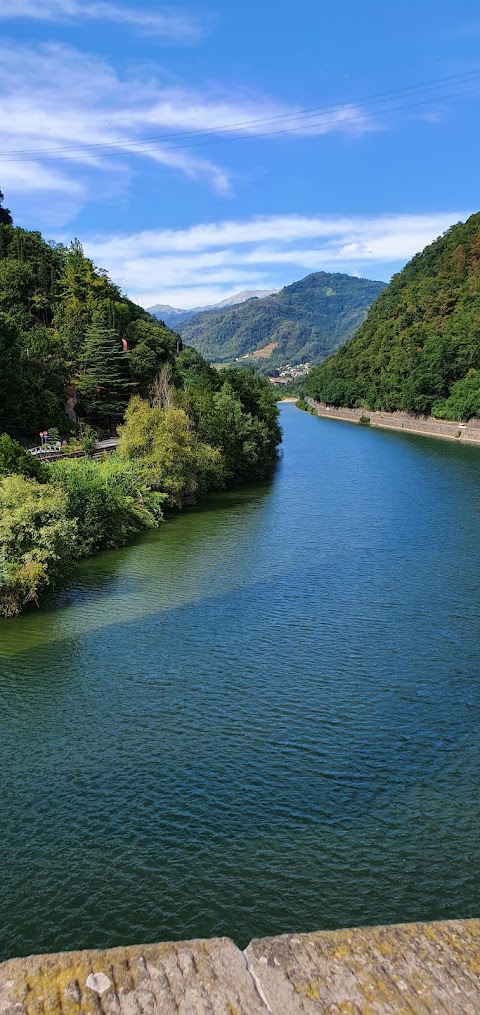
(96, 583)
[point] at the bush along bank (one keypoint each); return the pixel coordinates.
(214, 430)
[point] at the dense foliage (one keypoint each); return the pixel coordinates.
(175, 460)
(44, 527)
(302, 323)
(62, 322)
(68, 334)
(37, 540)
(5, 216)
(419, 348)
(183, 442)
(110, 500)
(14, 459)
(217, 430)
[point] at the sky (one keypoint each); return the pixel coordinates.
(201, 149)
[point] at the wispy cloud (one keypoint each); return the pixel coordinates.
(203, 264)
(173, 25)
(70, 117)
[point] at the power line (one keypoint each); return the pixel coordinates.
(80, 151)
(461, 78)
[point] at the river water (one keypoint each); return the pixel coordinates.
(263, 717)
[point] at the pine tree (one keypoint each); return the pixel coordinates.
(5, 216)
(102, 385)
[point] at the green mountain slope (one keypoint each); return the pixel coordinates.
(419, 347)
(304, 322)
(62, 322)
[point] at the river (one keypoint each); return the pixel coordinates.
(261, 718)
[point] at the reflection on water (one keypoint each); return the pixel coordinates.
(262, 717)
(155, 573)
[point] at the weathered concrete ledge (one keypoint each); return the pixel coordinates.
(408, 969)
(464, 433)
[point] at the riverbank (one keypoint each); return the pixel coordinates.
(428, 426)
(165, 458)
(428, 968)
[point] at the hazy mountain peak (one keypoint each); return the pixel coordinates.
(175, 315)
(246, 294)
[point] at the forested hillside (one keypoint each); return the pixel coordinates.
(67, 332)
(419, 348)
(62, 321)
(304, 322)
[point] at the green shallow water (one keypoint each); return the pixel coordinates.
(262, 718)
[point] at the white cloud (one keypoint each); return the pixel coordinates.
(85, 123)
(33, 176)
(207, 262)
(173, 25)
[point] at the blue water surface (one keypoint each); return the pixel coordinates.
(263, 717)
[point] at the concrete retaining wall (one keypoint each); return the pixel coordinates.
(466, 433)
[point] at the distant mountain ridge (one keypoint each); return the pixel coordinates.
(172, 316)
(304, 322)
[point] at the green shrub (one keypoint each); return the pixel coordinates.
(15, 460)
(37, 540)
(109, 500)
(301, 403)
(87, 439)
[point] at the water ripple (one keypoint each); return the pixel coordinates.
(261, 718)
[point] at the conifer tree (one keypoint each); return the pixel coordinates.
(103, 388)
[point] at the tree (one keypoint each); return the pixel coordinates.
(44, 378)
(258, 397)
(175, 460)
(10, 379)
(463, 401)
(102, 384)
(88, 439)
(242, 438)
(153, 348)
(5, 216)
(161, 396)
(193, 370)
(17, 285)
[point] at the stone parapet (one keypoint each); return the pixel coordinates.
(408, 969)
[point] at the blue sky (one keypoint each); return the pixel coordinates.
(173, 140)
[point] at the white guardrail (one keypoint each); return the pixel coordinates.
(109, 444)
(45, 449)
